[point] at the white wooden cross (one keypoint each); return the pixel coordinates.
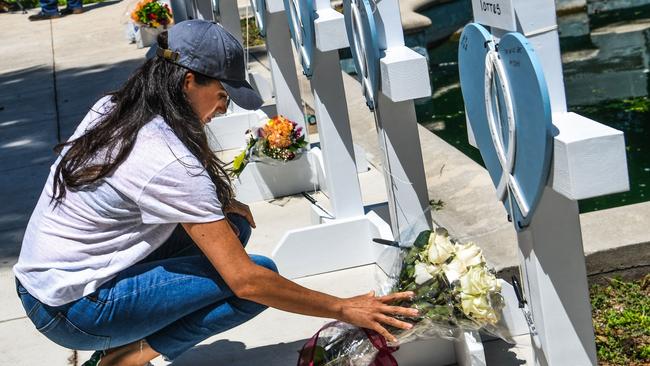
(403, 77)
(344, 240)
(331, 110)
(588, 161)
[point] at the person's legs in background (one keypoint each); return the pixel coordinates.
(73, 7)
(49, 10)
(74, 4)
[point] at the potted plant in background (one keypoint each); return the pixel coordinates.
(151, 18)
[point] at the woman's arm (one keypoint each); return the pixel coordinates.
(256, 283)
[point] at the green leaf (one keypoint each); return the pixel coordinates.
(239, 163)
(423, 239)
(411, 256)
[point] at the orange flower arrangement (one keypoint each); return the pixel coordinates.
(278, 131)
(152, 13)
(279, 139)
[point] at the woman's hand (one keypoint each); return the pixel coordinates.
(240, 209)
(368, 311)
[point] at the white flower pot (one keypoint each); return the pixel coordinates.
(146, 36)
(262, 180)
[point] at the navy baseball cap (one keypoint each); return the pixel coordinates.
(207, 48)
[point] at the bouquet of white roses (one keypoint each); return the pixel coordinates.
(455, 291)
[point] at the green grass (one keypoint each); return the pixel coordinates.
(638, 105)
(621, 315)
(254, 37)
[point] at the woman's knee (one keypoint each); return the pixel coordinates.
(263, 261)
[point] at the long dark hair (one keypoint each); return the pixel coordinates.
(156, 88)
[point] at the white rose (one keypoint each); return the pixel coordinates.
(422, 274)
(433, 269)
(478, 281)
(440, 249)
(469, 254)
(479, 309)
(454, 269)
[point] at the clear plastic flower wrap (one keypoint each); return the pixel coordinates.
(455, 292)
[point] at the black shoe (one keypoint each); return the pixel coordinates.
(68, 11)
(95, 358)
(43, 16)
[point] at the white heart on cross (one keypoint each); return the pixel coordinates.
(509, 112)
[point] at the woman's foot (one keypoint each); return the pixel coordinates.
(43, 16)
(94, 359)
(68, 11)
(97, 357)
(134, 354)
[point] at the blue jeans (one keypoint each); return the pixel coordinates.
(174, 299)
(50, 7)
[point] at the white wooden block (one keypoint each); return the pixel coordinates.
(404, 74)
(589, 158)
(329, 27)
(274, 6)
(263, 181)
(335, 245)
(326, 247)
(229, 131)
(469, 350)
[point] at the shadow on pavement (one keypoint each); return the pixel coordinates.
(225, 352)
(30, 123)
(499, 352)
(91, 7)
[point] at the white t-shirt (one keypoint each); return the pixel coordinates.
(71, 250)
